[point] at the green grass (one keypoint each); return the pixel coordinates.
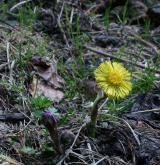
(106, 20)
(26, 16)
(67, 117)
(146, 81)
(75, 36)
(147, 28)
(124, 18)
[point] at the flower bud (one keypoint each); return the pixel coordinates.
(49, 120)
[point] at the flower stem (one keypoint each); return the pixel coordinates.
(94, 114)
(56, 140)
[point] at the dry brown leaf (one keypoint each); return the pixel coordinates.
(41, 88)
(47, 70)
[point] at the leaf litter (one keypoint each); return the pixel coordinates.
(125, 40)
(50, 83)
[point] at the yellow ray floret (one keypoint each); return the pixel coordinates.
(113, 79)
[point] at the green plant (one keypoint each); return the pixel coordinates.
(77, 41)
(147, 27)
(39, 104)
(117, 107)
(115, 82)
(75, 37)
(3, 9)
(41, 46)
(26, 16)
(28, 150)
(124, 18)
(20, 58)
(71, 88)
(67, 117)
(106, 17)
(28, 55)
(146, 81)
(23, 60)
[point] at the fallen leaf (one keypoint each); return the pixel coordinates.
(41, 88)
(47, 70)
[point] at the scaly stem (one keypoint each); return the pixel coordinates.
(56, 140)
(94, 114)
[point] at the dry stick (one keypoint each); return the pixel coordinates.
(60, 26)
(148, 110)
(103, 104)
(91, 153)
(9, 160)
(134, 134)
(70, 149)
(114, 159)
(3, 65)
(10, 65)
(8, 55)
(124, 121)
(6, 26)
(18, 4)
(115, 57)
(99, 161)
(79, 156)
(145, 42)
(71, 17)
(142, 16)
(11, 46)
(155, 49)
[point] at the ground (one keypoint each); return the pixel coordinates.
(49, 52)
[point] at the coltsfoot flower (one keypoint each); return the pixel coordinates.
(113, 79)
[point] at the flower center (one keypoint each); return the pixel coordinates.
(115, 78)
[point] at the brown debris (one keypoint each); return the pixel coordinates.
(41, 88)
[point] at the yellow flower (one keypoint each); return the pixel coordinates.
(113, 79)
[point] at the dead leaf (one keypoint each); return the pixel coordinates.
(41, 88)
(47, 70)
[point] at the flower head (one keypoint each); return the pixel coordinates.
(49, 120)
(113, 79)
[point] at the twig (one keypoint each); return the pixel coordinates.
(70, 149)
(11, 46)
(60, 26)
(10, 65)
(79, 156)
(3, 65)
(109, 55)
(144, 42)
(91, 153)
(8, 55)
(7, 26)
(137, 140)
(115, 57)
(9, 160)
(77, 135)
(103, 104)
(148, 110)
(71, 17)
(134, 134)
(99, 161)
(18, 5)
